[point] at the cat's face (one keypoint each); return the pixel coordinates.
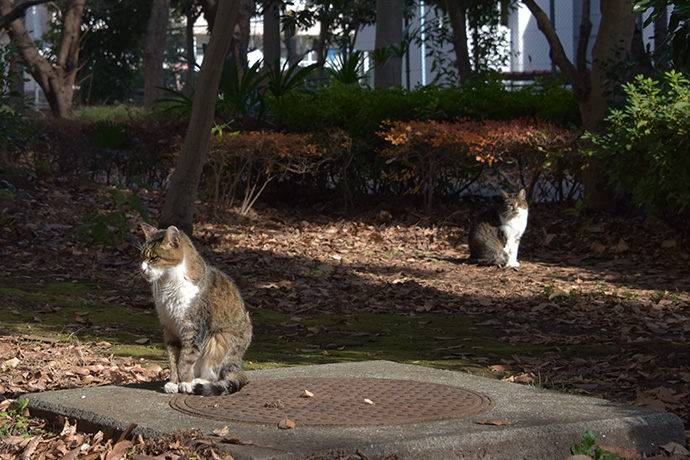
(161, 252)
(514, 205)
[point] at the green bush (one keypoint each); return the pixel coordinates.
(355, 108)
(359, 112)
(644, 147)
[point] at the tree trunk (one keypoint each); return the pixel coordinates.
(178, 208)
(240, 39)
(191, 15)
(615, 35)
(271, 33)
(389, 31)
(611, 49)
(57, 81)
(593, 93)
(154, 52)
(558, 56)
(458, 21)
(290, 47)
(583, 43)
(209, 8)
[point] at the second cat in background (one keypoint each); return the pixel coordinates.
(495, 234)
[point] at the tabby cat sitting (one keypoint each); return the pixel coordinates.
(495, 234)
(206, 326)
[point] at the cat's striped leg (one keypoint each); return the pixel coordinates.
(189, 354)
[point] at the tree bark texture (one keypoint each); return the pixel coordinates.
(458, 21)
(389, 31)
(178, 208)
(56, 81)
(240, 39)
(191, 15)
(154, 51)
(271, 33)
(611, 49)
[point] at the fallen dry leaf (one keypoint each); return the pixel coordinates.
(493, 422)
(286, 424)
(674, 448)
(10, 363)
(222, 432)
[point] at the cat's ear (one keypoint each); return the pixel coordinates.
(172, 237)
(505, 195)
(149, 230)
(522, 194)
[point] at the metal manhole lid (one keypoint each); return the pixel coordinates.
(336, 402)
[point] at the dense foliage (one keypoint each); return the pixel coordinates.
(115, 32)
(645, 145)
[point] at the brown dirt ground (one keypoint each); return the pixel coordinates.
(617, 284)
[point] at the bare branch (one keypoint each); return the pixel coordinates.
(558, 55)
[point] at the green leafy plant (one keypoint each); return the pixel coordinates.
(588, 447)
(348, 69)
(283, 79)
(14, 421)
(677, 44)
(242, 92)
(644, 146)
(177, 103)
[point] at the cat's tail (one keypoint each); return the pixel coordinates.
(231, 383)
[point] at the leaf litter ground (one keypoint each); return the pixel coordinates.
(600, 304)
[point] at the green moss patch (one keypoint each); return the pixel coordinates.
(95, 313)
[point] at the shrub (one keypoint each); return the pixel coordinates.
(644, 147)
(110, 152)
(431, 153)
(245, 163)
(442, 157)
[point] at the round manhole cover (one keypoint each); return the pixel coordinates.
(336, 402)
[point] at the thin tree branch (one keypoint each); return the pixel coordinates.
(19, 10)
(580, 86)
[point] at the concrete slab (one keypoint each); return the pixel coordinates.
(542, 424)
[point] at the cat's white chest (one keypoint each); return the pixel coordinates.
(515, 227)
(173, 295)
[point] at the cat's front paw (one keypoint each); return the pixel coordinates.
(513, 264)
(187, 387)
(171, 387)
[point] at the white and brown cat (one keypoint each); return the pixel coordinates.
(495, 235)
(205, 323)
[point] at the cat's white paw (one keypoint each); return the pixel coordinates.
(513, 264)
(187, 387)
(170, 387)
